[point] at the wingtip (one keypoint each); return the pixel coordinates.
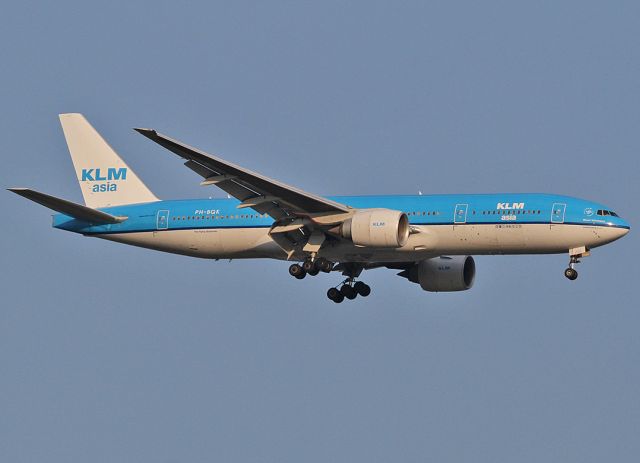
(144, 131)
(20, 191)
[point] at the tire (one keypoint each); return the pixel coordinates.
(571, 274)
(348, 292)
(297, 271)
(309, 266)
(324, 265)
(362, 289)
(335, 295)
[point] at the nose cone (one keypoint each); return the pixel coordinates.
(609, 234)
(624, 228)
(621, 227)
(621, 231)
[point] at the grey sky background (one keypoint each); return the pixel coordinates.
(112, 353)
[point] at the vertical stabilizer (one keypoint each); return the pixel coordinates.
(105, 179)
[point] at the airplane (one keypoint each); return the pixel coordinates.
(430, 239)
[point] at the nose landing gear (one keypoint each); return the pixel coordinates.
(574, 258)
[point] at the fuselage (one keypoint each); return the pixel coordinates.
(512, 223)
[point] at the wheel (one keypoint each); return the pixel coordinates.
(313, 272)
(571, 274)
(335, 295)
(297, 271)
(348, 292)
(324, 265)
(309, 266)
(362, 289)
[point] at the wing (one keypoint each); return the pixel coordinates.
(265, 195)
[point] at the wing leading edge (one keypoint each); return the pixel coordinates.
(265, 195)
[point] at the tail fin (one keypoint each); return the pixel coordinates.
(105, 179)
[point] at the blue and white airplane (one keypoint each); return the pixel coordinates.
(429, 238)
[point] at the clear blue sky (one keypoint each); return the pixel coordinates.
(110, 353)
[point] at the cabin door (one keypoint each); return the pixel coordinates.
(460, 213)
(557, 212)
(162, 220)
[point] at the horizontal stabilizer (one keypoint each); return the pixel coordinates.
(63, 206)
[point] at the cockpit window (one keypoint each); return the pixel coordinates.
(604, 212)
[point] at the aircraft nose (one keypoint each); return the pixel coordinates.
(623, 229)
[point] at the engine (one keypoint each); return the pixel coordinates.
(378, 228)
(455, 273)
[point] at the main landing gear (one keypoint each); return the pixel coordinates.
(349, 290)
(310, 267)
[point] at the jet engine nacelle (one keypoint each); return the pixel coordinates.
(377, 228)
(454, 273)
